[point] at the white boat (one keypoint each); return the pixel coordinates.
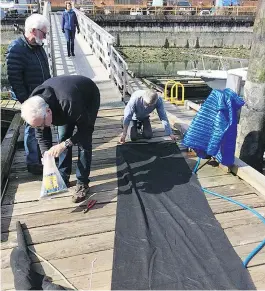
(215, 79)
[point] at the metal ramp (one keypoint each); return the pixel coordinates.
(84, 63)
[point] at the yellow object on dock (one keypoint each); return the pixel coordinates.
(174, 98)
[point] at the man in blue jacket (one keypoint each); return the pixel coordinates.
(27, 68)
(69, 25)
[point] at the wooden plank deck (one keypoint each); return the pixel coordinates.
(10, 104)
(59, 231)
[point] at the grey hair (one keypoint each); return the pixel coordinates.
(33, 108)
(150, 96)
(36, 21)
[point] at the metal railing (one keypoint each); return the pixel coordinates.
(169, 10)
(45, 9)
(224, 63)
(102, 45)
(174, 98)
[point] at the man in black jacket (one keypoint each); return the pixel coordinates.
(27, 68)
(66, 101)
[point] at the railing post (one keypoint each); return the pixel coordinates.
(124, 81)
(47, 44)
(111, 64)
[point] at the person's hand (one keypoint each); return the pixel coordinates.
(122, 138)
(56, 150)
(78, 31)
(173, 137)
(63, 31)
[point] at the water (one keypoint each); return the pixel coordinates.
(7, 36)
(3, 132)
(170, 68)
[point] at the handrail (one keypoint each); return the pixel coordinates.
(170, 9)
(214, 56)
(165, 90)
(174, 99)
(46, 9)
(220, 59)
(96, 28)
(102, 45)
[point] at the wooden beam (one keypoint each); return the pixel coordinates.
(8, 145)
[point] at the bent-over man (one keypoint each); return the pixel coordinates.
(68, 102)
(137, 110)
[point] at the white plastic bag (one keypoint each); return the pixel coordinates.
(52, 182)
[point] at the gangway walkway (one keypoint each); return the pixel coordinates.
(69, 239)
(84, 63)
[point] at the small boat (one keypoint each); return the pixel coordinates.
(216, 79)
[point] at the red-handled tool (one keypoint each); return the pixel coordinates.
(90, 204)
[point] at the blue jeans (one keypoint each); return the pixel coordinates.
(84, 155)
(70, 37)
(31, 146)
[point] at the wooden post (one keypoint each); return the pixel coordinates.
(251, 135)
(8, 145)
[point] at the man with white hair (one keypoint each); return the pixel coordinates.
(137, 110)
(68, 102)
(27, 68)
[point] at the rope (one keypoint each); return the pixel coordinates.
(91, 273)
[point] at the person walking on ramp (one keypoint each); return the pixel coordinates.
(69, 25)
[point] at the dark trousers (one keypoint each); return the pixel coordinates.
(147, 129)
(84, 155)
(31, 146)
(70, 37)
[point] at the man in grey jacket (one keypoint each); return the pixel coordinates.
(27, 68)
(137, 110)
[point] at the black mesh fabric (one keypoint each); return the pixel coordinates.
(166, 235)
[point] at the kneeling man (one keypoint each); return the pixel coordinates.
(137, 110)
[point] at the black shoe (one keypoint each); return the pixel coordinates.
(69, 55)
(81, 192)
(73, 54)
(35, 169)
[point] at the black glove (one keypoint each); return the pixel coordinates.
(63, 31)
(78, 31)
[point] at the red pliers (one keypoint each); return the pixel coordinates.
(90, 204)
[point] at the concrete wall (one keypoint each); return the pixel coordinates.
(228, 32)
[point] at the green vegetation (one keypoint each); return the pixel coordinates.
(149, 55)
(5, 96)
(4, 82)
(166, 44)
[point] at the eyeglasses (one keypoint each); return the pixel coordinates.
(43, 124)
(44, 33)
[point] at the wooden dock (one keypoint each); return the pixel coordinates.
(60, 232)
